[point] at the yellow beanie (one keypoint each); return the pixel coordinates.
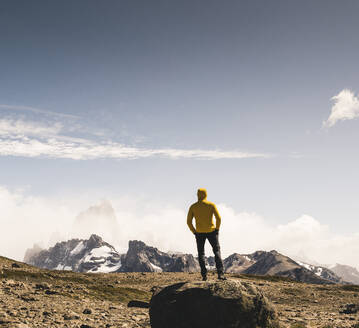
(202, 194)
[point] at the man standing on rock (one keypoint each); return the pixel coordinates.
(203, 212)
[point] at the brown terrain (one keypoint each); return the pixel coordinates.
(32, 297)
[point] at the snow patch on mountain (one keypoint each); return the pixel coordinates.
(99, 252)
(156, 268)
(106, 267)
(317, 270)
(80, 246)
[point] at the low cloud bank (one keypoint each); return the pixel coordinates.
(26, 220)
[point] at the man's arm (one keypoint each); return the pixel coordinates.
(189, 220)
(218, 217)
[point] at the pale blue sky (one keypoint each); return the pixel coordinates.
(175, 76)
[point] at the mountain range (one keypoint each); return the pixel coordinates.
(96, 255)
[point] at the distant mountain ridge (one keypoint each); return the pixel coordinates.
(143, 258)
(79, 255)
(347, 272)
(276, 264)
(95, 255)
(323, 272)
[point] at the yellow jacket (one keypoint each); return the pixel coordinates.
(203, 212)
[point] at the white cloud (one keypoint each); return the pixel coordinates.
(17, 128)
(26, 220)
(346, 107)
(304, 236)
(31, 139)
(35, 110)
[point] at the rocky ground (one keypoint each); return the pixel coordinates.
(32, 297)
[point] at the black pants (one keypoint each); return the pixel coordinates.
(213, 240)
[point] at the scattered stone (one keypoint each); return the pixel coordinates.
(3, 315)
(22, 325)
(211, 305)
(139, 304)
(87, 311)
(11, 283)
(42, 286)
(350, 309)
(28, 298)
(22, 305)
(71, 316)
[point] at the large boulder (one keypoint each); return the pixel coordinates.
(219, 304)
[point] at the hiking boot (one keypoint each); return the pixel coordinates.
(221, 276)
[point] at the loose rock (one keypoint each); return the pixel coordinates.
(71, 316)
(350, 309)
(87, 311)
(42, 286)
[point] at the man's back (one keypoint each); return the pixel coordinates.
(203, 212)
